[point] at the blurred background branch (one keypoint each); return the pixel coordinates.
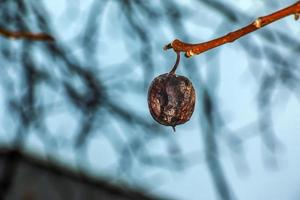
(26, 35)
(81, 100)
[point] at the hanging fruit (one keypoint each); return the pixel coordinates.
(171, 98)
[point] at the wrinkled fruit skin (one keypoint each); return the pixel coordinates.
(171, 99)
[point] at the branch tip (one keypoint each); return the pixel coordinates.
(168, 46)
(297, 16)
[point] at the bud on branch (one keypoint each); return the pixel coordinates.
(195, 49)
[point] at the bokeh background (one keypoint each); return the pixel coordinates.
(81, 101)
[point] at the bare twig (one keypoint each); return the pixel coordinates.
(195, 49)
(26, 35)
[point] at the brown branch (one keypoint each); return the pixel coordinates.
(195, 49)
(26, 35)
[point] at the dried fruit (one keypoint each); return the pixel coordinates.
(171, 98)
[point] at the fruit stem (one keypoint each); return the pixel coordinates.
(176, 63)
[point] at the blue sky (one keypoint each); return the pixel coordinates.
(249, 174)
